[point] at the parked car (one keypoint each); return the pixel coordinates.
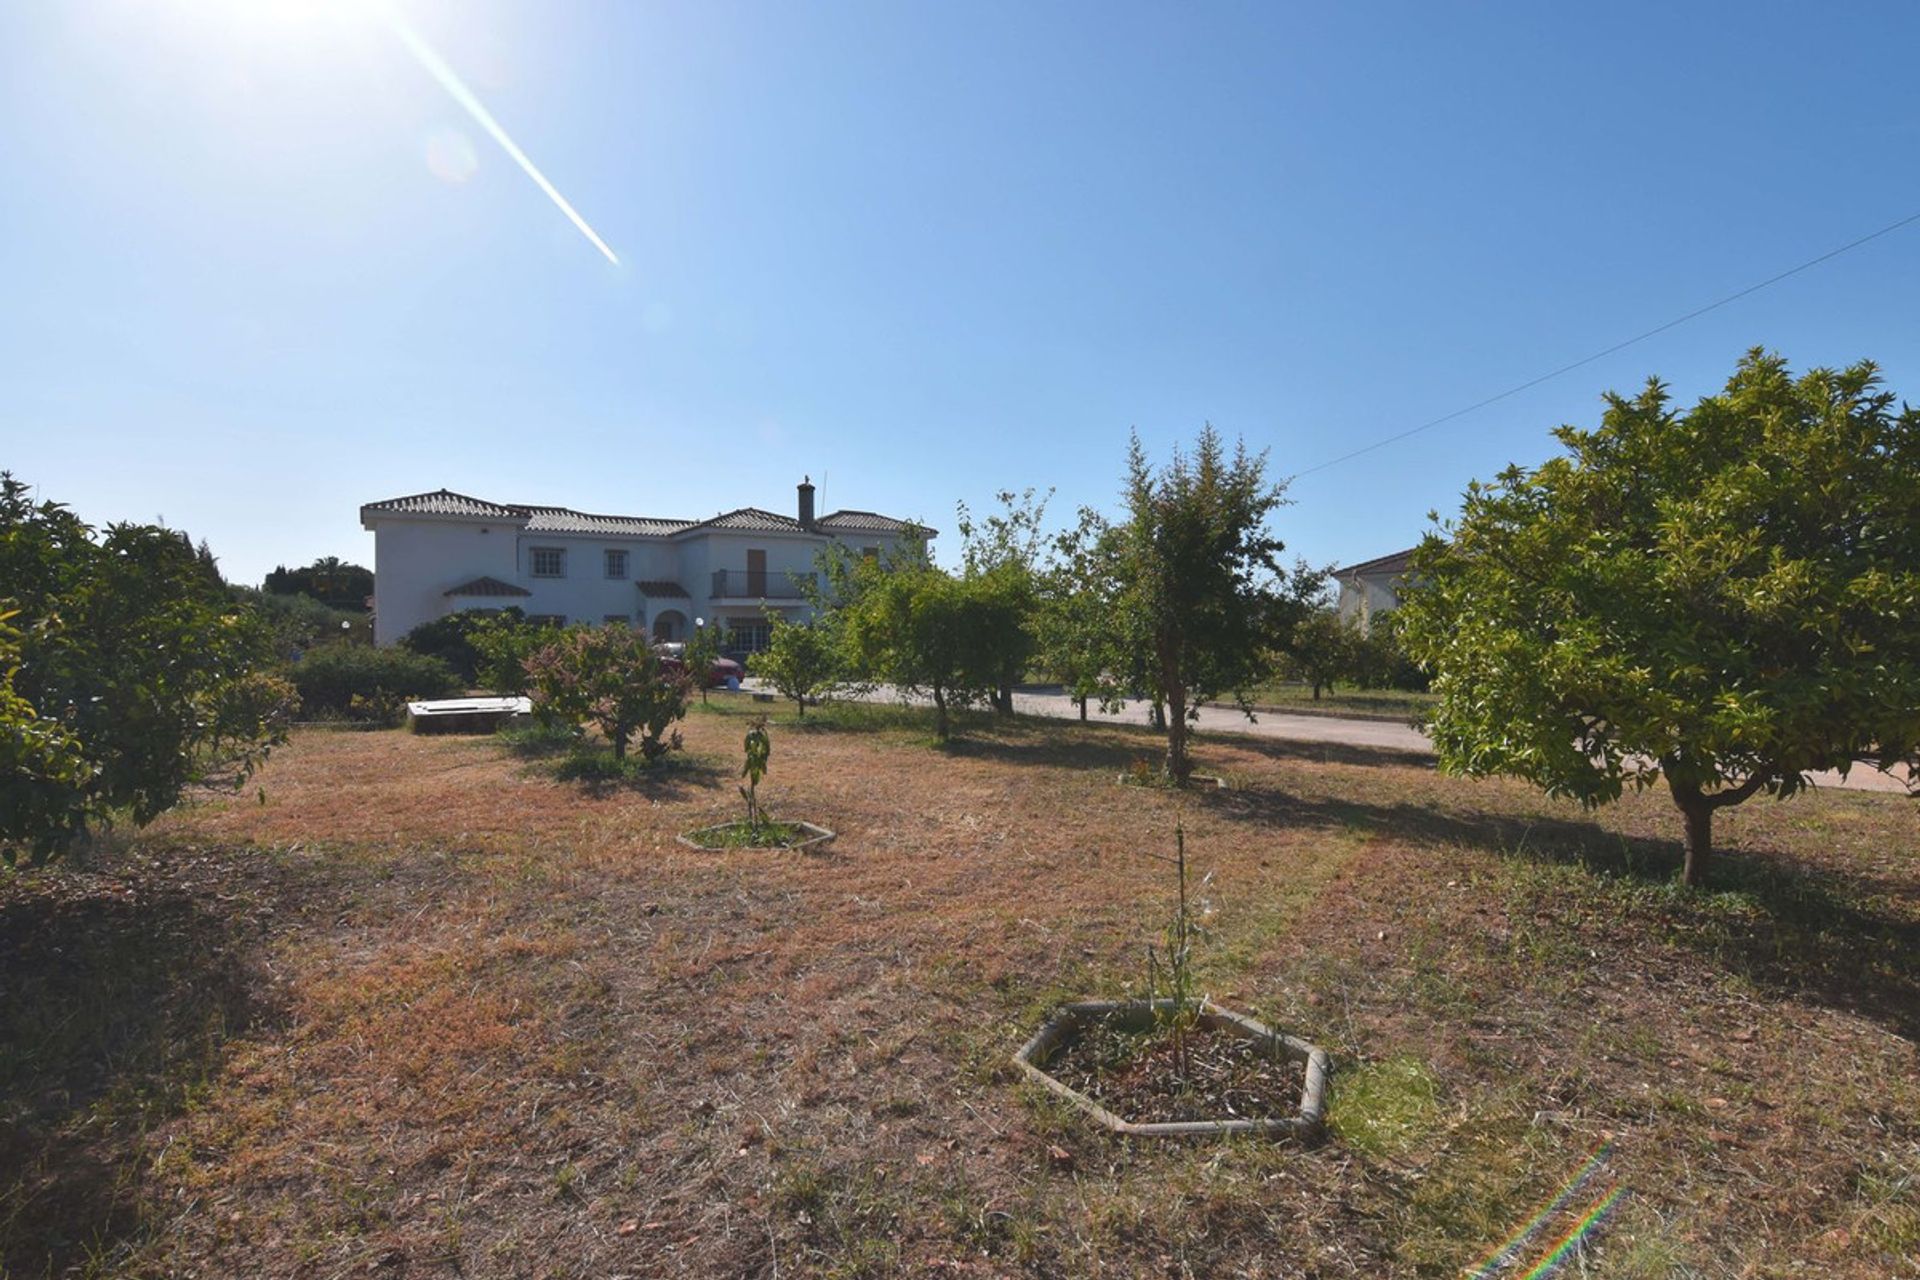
(673, 653)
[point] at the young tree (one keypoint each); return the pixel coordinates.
(1324, 649)
(610, 677)
(1000, 567)
(139, 656)
(1201, 577)
(914, 628)
(800, 661)
(699, 653)
(1726, 598)
(1079, 630)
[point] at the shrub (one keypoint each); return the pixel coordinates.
(611, 678)
(451, 638)
(502, 644)
(362, 683)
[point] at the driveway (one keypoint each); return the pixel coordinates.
(1338, 730)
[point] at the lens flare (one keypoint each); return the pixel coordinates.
(1588, 1224)
(1513, 1244)
(435, 66)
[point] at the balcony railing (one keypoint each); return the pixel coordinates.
(755, 584)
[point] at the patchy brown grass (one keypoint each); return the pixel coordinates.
(431, 1011)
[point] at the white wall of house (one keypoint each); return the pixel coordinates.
(1363, 596)
(418, 558)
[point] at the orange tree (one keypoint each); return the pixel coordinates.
(1726, 599)
(128, 648)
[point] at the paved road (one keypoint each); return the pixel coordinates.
(1340, 730)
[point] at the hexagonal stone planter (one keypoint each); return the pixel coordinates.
(711, 839)
(1307, 1124)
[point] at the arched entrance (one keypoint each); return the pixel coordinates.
(669, 624)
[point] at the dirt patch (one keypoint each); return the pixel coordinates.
(1154, 1075)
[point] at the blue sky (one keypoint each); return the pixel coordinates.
(257, 268)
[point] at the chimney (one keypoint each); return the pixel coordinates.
(806, 503)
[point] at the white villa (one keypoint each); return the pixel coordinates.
(1370, 587)
(441, 552)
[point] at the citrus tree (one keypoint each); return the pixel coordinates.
(800, 661)
(128, 641)
(1725, 598)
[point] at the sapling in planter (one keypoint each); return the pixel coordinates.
(1170, 970)
(1174, 1063)
(759, 750)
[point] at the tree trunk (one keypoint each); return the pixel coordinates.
(801, 701)
(940, 713)
(619, 739)
(1083, 708)
(1003, 699)
(1699, 819)
(1179, 766)
(1316, 691)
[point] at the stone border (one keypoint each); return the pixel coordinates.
(818, 837)
(1308, 1125)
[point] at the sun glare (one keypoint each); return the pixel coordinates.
(284, 27)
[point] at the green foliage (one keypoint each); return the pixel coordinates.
(450, 638)
(1200, 580)
(610, 677)
(912, 627)
(1082, 636)
(360, 682)
(1000, 567)
(759, 749)
(131, 644)
(801, 661)
(330, 580)
(43, 803)
(502, 644)
(702, 649)
(1324, 649)
(298, 623)
(1727, 598)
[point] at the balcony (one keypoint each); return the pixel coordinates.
(760, 584)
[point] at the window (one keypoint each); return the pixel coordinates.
(752, 635)
(548, 562)
(616, 562)
(870, 553)
(619, 619)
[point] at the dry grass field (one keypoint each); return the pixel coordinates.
(429, 1010)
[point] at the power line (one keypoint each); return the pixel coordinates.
(1618, 346)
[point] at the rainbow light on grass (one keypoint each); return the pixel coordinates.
(1588, 1224)
(1513, 1244)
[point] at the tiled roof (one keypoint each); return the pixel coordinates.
(445, 502)
(543, 519)
(1398, 562)
(752, 518)
(870, 522)
(663, 590)
(562, 520)
(484, 586)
